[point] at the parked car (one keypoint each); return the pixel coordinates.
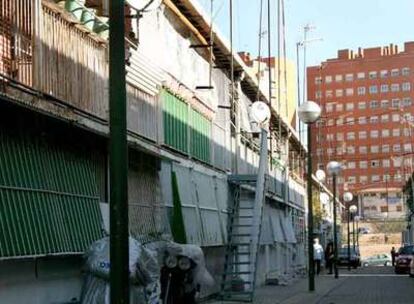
(377, 260)
(403, 259)
(355, 260)
(363, 230)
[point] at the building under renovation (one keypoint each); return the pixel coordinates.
(193, 149)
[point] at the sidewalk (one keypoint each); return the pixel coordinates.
(296, 293)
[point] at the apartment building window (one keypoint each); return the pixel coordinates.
(386, 163)
(328, 93)
(362, 134)
(329, 137)
(363, 149)
(395, 103)
(396, 148)
(362, 120)
(329, 107)
(339, 93)
(395, 72)
(375, 178)
(340, 121)
(407, 116)
(375, 163)
(407, 162)
(397, 177)
(319, 151)
(374, 149)
(339, 107)
(351, 179)
(373, 89)
(384, 88)
(395, 87)
(363, 164)
(397, 161)
(350, 121)
(321, 166)
(328, 79)
(385, 148)
(373, 119)
(361, 91)
(406, 132)
(373, 104)
(318, 80)
(351, 165)
(349, 106)
(361, 75)
(405, 71)
(372, 75)
(395, 117)
(330, 122)
(338, 78)
(363, 179)
(385, 118)
(362, 105)
(340, 180)
(396, 132)
(373, 133)
(406, 86)
(339, 151)
(406, 102)
(350, 135)
(349, 77)
(385, 133)
(407, 148)
(339, 136)
(349, 92)
(384, 74)
(318, 94)
(350, 150)
(384, 104)
(329, 151)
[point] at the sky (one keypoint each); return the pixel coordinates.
(340, 23)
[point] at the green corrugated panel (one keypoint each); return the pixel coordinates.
(200, 136)
(175, 112)
(49, 196)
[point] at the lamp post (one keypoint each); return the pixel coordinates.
(334, 168)
(309, 112)
(347, 199)
(353, 210)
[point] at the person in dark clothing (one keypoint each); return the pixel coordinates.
(329, 256)
(393, 255)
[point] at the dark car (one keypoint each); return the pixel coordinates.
(404, 256)
(354, 260)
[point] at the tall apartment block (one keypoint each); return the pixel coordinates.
(367, 124)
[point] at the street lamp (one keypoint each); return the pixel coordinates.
(334, 168)
(309, 112)
(347, 199)
(353, 210)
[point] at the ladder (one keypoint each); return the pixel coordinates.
(243, 232)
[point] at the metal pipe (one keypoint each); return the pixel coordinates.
(334, 229)
(349, 239)
(310, 217)
(353, 230)
(118, 157)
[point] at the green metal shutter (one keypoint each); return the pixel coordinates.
(200, 136)
(49, 196)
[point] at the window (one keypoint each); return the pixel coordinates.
(363, 179)
(340, 121)
(374, 149)
(328, 79)
(406, 132)
(406, 102)
(339, 151)
(384, 88)
(338, 78)
(329, 151)
(406, 86)
(339, 93)
(329, 137)
(395, 87)
(384, 104)
(321, 166)
(373, 89)
(363, 164)
(350, 150)
(349, 77)
(351, 165)
(349, 92)
(373, 104)
(397, 161)
(385, 118)
(362, 120)
(372, 75)
(384, 74)
(375, 163)
(329, 107)
(339, 136)
(318, 80)
(339, 107)
(351, 179)
(349, 106)
(386, 163)
(407, 116)
(319, 151)
(373, 134)
(361, 91)
(362, 134)
(407, 147)
(396, 148)
(385, 133)
(375, 178)
(363, 150)
(373, 119)
(318, 94)
(405, 71)
(385, 148)
(328, 93)
(361, 75)
(397, 177)
(395, 103)
(330, 122)
(350, 121)
(350, 135)
(395, 117)
(362, 105)
(396, 132)
(394, 72)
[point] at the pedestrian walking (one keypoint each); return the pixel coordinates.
(329, 256)
(317, 255)
(393, 255)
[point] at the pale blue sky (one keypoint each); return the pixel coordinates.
(341, 24)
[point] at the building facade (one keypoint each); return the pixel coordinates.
(367, 113)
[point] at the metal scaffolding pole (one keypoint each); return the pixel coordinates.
(118, 157)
